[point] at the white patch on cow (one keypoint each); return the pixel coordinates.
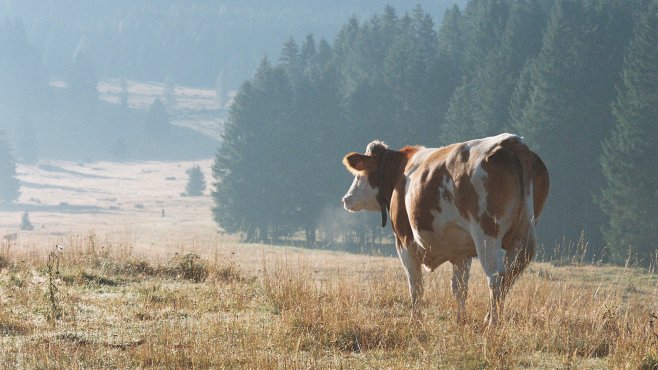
(361, 196)
(414, 275)
(482, 146)
(449, 236)
(490, 251)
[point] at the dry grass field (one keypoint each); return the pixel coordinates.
(129, 288)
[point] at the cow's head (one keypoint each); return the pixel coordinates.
(366, 168)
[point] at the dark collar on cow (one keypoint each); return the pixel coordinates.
(381, 198)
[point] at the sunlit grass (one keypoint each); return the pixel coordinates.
(253, 306)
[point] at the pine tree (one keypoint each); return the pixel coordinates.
(9, 184)
(564, 118)
(250, 168)
(26, 225)
(23, 81)
(290, 60)
(82, 80)
(231, 167)
(157, 120)
(458, 123)
(196, 182)
(495, 78)
(515, 31)
(629, 198)
(308, 53)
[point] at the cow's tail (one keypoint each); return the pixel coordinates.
(522, 238)
(540, 184)
(534, 179)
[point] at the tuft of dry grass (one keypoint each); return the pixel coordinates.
(253, 306)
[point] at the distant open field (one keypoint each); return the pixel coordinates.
(195, 108)
(133, 289)
(119, 201)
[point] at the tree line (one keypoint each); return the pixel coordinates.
(577, 79)
(198, 43)
(61, 116)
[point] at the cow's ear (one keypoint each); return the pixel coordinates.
(356, 163)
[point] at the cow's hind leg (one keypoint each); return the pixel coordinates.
(491, 256)
(414, 274)
(460, 273)
(518, 258)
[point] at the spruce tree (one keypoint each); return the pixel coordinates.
(565, 116)
(196, 182)
(251, 166)
(157, 120)
(82, 80)
(26, 225)
(9, 184)
(629, 198)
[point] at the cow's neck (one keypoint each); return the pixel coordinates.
(391, 170)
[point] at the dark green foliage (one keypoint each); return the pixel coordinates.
(630, 196)
(9, 185)
(196, 182)
(500, 37)
(542, 69)
(250, 165)
(564, 111)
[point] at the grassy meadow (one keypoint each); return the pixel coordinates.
(129, 288)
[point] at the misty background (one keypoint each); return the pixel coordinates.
(278, 92)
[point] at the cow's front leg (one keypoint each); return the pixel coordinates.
(460, 273)
(412, 268)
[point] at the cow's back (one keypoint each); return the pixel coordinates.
(484, 183)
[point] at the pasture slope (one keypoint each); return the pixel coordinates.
(129, 288)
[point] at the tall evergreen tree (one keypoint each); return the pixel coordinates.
(251, 166)
(157, 120)
(630, 197)
(196, 182)
(565, 115)
(308, 52)
(9, 184)
(83, 81)
(23, 80)
(514, 31)
(290, 60)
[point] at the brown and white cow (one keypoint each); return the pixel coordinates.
(479, 198)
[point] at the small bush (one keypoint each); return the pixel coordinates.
(649, 362)
(88, 278)
(196, 182)
(130, 267)
(227, 274)
(26, 225)
(188, 266)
